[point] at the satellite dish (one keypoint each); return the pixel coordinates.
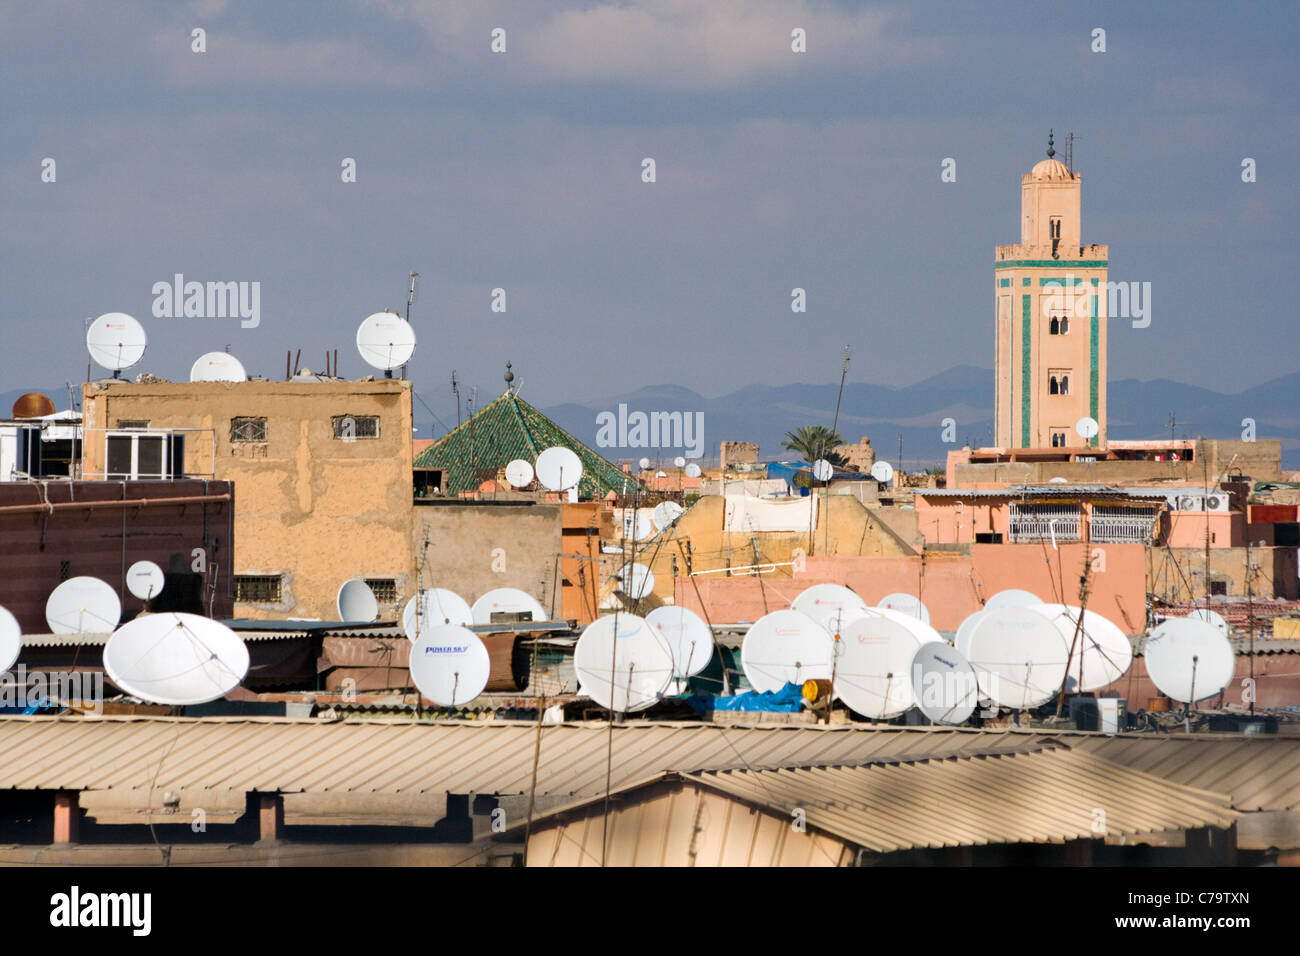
(688, 637)
(11, 639)
(1087, 427)
(145, 580)
(436, 606)
(1018, 657)
(786, 647)
(636, 580)
(822, 469)
(115, 341)
(217, 367)
(832, 606)
(1189, 660)
(873, 667)
(507, 601)
(961, 640)
(883, 472)
(1057, 481)
(644, 463)
(175, 658)
(450, 665)
(519, 473)
(905, 604)
(623, 663)
(924, 632)
(1103, 653)
(944, 683)
(679, 462)
(559, 468)
(692, 470)
(83, 605)
(356, 602)
(1210, 617)
(665, 513)
(385, 341)
(638, 525)
(1012, 597)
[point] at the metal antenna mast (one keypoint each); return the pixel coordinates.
(844, 372)
(409, 296)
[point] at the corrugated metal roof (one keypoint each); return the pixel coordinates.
(99, 640)
(1258, 773)
(399, 756)
(1047, 796)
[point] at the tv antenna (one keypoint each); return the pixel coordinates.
(455, 390)
(1069, 151)
(410, 294)
(844, 372)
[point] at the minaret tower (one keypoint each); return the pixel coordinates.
(1050, 318)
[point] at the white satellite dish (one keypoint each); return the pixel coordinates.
(638, 525)
(83, 605)
(883, 472)
(1018, 657)
(873, 667)
(11, 639)
(636, 580)
(116, 341)
(1012, 597)
(450, 665)
(1087, 427)
(644, 463)
(436, 606)
(665, 513)
(833, 606)
(679, 462)
(944, 683)
(692, 470)
(924, 632)
(623, 663)
(961, 639)
(1103, 652)
(145, 580)
(905, 604)
(507, 601)
(1189, 660)
(385, 341)
(356, 602)
(217, 367)
(688, 637)
(822, 469)
(175, 658)
(1057, 481)
(559, 468)
(786, 647)
(1210, 617)
(519, 473)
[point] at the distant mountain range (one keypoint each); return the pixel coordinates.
(764, 413)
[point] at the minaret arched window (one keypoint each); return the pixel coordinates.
(1055, 327)
(1065, 385)
(1053, 386)
(1065, 325)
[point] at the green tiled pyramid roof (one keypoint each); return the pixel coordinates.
(508, 428)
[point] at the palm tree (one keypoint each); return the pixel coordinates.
(813, 442)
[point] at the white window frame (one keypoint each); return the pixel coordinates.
(134, 436)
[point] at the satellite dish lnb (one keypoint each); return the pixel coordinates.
(116, 341)
(1087, 427)
(217, 367)
(385, 341)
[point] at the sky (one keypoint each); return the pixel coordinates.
(523, 171)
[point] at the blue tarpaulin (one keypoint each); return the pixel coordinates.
(789, 699)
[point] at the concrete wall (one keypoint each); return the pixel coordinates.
(1177, 575)
(311, 507)
(475, 547)
(952, 586)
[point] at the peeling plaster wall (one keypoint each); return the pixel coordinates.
(310, 506)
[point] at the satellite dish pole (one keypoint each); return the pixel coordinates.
(455, 390)
(409, 296)
(844, 372)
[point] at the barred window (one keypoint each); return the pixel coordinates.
(352, 427)
(258, 588)
(247, 429)
(384, 589)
